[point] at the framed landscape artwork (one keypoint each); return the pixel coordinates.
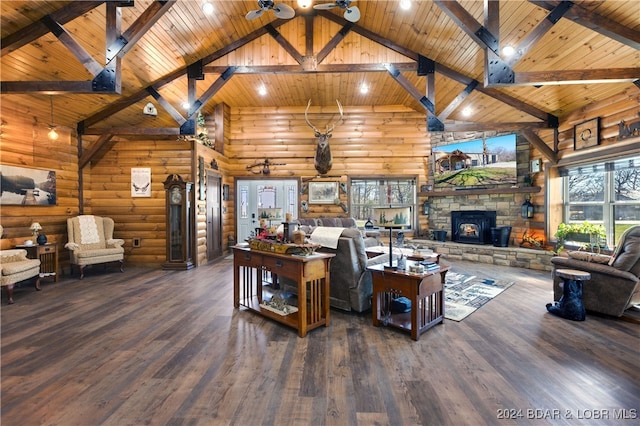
(323, 192)
(22, 186)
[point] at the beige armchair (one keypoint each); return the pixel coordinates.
(91, 242)
(15, 267)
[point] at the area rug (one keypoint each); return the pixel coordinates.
(464, 294)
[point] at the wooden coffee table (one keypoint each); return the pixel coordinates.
(426, 292)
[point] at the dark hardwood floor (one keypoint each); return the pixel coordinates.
(157, 347)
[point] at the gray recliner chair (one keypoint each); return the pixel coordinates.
(614, 286)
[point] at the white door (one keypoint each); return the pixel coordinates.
(254, 194)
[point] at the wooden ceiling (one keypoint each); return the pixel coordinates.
(571, 55)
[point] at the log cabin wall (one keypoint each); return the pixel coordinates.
(24, 143)
(389, 141)
(611, 112)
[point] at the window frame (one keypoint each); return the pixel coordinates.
(393, 179)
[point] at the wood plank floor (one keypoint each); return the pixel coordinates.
(157, 347)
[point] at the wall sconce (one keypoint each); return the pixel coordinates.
(526, 210)
(425, 208)
(53, 135)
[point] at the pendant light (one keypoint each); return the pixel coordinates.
(53, 135)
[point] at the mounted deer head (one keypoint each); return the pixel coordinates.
(323, 159)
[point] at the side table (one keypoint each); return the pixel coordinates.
(48, 255)
(426, 292)
(570, 305)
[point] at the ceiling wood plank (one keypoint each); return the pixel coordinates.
(72, 45)
(457, 101)
(476, 126)
(134, 131)
(36, 30)
(598, 23)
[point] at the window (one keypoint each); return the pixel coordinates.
(366, 194)
(606, 193)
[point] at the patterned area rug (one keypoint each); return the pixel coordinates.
(464, 294)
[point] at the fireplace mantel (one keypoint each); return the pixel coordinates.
(449, 193)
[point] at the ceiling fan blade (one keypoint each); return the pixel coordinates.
(283, 11)
(324, 6)
(352, 14)
(254, 14)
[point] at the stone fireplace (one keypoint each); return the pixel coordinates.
(472, 226)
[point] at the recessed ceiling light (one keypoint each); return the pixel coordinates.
(364, 89)
(508, 50)
(466, 112)
(262, 91)
(207, 7)
(405, 4)
(304, 3)
(185, 105)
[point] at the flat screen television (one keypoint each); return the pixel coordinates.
(485, 163)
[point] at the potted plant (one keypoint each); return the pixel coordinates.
(593, 235)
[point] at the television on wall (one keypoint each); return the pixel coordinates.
(488, 163)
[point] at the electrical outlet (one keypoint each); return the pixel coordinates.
(137, 242)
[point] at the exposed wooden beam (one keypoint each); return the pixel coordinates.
(446, 112)
(37, 29)
(48, 87)
(493, 126)
(538, 32)
(138, 28)
(167, 106)
(134, 131)
(72, 45)
(94, 149)
(469, 24)
(284, 43)
(611, 75)
(225, 76)
(121, 104)
(537, 142)
(296, 69)
(335, 40)
(598, 23)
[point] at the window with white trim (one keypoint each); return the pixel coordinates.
(606, 193)
(369, 193)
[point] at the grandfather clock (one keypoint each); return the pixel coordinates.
(179, 223)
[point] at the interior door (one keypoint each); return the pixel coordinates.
(214, 216)
(252, 194)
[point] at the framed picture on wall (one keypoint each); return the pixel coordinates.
(586, 134)
(141, 181)
(323, 192)
(22, 186)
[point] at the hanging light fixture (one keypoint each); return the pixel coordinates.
(53, 135)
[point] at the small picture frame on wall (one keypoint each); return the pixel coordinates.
(586, 134)
(323, 192)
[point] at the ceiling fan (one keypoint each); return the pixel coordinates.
(351, 13)
(281, 10)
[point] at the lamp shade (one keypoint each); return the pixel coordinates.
(35, 227)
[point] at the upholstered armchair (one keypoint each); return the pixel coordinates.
(15, 267)
(615, 280)
(91, 242)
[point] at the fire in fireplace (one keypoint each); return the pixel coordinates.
(472, 226)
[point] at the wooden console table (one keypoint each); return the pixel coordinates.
(426, 292)
(310, 272)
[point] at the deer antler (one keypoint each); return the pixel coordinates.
(328, 129)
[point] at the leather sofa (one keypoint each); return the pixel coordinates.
(351, 286)
(614, 285)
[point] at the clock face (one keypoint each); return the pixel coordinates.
(176, 195)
